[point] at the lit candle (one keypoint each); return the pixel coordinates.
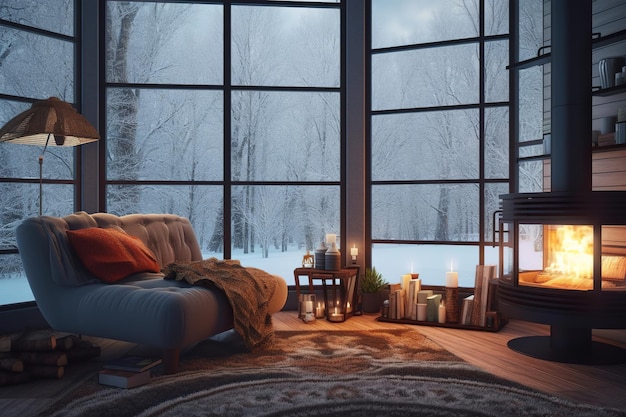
(331, 238)
(308, 306)
(452, 278)
(354, 251)
(319, 311)
(335, 316)
(405, 281)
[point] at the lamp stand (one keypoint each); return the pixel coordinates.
(41, 175)
(40, 184)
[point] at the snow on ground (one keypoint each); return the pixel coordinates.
(391, 260)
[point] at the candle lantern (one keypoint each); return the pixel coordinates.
(354, 252)
(339, 297)
(308, 260)
(306, 304)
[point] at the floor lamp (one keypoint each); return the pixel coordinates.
(50, 122)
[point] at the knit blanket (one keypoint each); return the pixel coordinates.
(248, 290)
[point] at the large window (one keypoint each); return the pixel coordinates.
(37, 61)
(233, 114)
(230, 115)
(439, 136)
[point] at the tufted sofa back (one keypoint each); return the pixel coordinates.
(169, 236)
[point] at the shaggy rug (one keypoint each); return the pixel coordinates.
(349, 373)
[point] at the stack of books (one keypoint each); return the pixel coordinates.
(127, 372)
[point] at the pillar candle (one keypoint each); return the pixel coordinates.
(442, 312)
(405, 281)
(452, 279)
(319, 311)
(421, 311)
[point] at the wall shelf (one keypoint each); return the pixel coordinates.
(594, 149)
(611, 91)
(600, 42)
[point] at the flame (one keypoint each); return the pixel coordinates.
(570, 251)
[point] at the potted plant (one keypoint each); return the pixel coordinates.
(371, 285)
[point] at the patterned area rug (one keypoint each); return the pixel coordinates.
(322, 373)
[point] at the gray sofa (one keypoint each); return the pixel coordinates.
(142, 308)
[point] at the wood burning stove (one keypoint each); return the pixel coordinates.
(575, 288)
(563, 252)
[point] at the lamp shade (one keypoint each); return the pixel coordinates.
(45, 117)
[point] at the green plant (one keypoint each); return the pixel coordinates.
(372, 282)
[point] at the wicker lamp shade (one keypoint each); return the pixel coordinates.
(49, 117)
(46, 120)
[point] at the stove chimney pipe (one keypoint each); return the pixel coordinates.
(571, 95)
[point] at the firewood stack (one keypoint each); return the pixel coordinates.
(40, 354)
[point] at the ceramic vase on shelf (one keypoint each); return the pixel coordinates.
(607, 68)
(320, 254)
(332, 258)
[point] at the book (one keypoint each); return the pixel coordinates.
(484, 274)
(132, 363)
(123, 379)
(422, 296)
(432, 307)
(411, 302)
(401, 304)
(466, 312)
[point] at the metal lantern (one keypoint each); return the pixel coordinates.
(339, 296)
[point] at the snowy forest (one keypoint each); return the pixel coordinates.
(167, 92)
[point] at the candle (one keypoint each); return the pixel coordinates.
(319, 310)
(452, 278)
(442, 312)
(335, 315)
(421, 311)
(354, 251)
(308, 306)
(405, 281)
(331, 238)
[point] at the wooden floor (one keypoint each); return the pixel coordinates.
(599, 385)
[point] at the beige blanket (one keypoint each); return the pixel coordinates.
(247, 289)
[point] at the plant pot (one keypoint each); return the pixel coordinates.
(371, 303)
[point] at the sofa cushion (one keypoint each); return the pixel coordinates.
(111, 254)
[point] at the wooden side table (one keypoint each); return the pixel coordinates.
(344, 281)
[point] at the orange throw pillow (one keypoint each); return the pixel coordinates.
(111, 254)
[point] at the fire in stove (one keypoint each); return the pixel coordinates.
(568, 259)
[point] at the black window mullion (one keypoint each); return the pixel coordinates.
(227, 188)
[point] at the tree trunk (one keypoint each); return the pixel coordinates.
(441, 232)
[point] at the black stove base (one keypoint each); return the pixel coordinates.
(540, 347)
